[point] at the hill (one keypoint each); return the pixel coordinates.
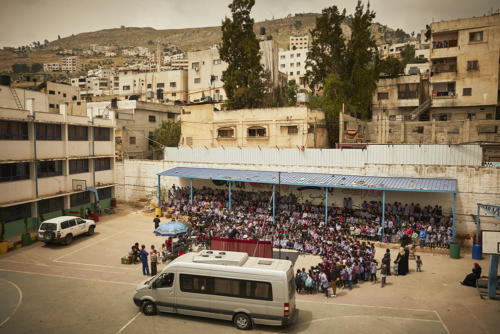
(186, 39)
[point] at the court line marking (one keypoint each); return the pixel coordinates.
(372, 306)
(62, 276)
(20, 292)
(444, 325)
(128, 323)
(59, 267)
(95, 265)
(87, 246)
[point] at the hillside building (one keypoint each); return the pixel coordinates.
(70, 64)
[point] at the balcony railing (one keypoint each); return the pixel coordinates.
(444, 68)
(448, 43)
(444, 94)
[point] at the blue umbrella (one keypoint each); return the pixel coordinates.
(171, 229)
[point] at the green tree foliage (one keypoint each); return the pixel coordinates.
(391, 67)
(20, 68)
(243, 78)
(408, 55)
(291, 92)
(327, 51)
(36, 67)
(346, 71)
(168, 134)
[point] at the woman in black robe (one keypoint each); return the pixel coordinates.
(470, 280)
(402, 260)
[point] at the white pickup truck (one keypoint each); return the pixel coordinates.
(63, 229)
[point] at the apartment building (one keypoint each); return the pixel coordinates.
(70, 64)
(51, 67)
(289, 127)
(293, 64)
(155, 86)
(205, 70)
(393, 50)
(299, 42)
(135, 125)
(51, 161)
(58, 94)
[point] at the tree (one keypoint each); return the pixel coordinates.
(243, 78)
(20, 68)
(392, 67)
(326, 55)
(36, 67)
(46, 41)
(168, 134)
(291, 92)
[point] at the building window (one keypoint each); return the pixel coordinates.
(291, 73)
(293, 130)
(291, 64)
(418, 129)
(216, 61)
(443, 117)
(173, 84)
(298, 64)
(79, 166)
(49, 168)
(472, 65)
(79, 198)
(160, 85)
(48, 131)
(195, 66)
(382, 96)
(131, 140)
(14, 172)
(150, 85)
(298, 55)
(407, 91)
(51, 92)
(174, 94)
(13, 130)
(126, 88)
(152, 119)
(51, 205)
(51, 105)
(225, 133)
(476, 36)
(189, 141)
(298, 72)
(197, 80)
(104, 193)
(282, 65)
(489, 116)
(102, 134)
(102, 164)
(78, 132)
(467, 92)
(16, 212)
(256, 131)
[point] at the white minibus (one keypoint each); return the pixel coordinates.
(223, 285)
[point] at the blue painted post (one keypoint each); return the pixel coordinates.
(159, 191)
(230, 196)
(492, 276)
(191, 196)
(477, 223)
(383, 215)
(454, 206)
(274, 206)
(326, 206)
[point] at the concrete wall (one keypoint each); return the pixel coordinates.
(137, 179)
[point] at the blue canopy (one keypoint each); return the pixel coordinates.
(171, 229)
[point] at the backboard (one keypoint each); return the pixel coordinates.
(79, 185)
(491, 242)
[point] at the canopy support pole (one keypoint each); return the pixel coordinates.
(191, 196)
(274, 205)
(326, 206)
(230, 196)
(454, 207)
(383, 215)
(159, 191)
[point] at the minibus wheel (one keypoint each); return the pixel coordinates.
(242, 321)
(148, 308)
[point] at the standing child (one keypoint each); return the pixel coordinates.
(419, 263)
(154, 261)
(144, 259)
(373, 271)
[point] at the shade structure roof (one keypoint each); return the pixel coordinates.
(317, 179)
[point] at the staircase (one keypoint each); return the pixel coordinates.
(16, 98)
(423, 107)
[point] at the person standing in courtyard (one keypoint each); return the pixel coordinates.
(419, 264)
(144, 259)
(156, 221)
(383, 273)
(154, 261)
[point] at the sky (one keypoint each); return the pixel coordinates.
(25, 21)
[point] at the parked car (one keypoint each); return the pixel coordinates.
(63, 229)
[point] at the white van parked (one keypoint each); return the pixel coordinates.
(64, 228)
(223, 285)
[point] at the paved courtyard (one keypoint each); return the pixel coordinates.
(83, 288)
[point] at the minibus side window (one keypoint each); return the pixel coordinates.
(166, 281)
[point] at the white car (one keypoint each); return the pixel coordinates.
(63, 229)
